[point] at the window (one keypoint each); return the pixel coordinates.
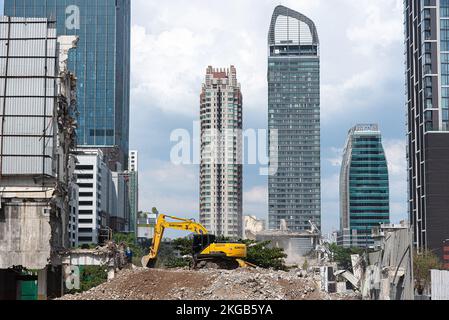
(84, 167)
(85, 185)
(85, 176)
(86, 194)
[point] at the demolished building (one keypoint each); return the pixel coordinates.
(252, 226)
(386, 273)
(298, 246)
(37, 134)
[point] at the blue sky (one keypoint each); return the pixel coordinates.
(362, 81)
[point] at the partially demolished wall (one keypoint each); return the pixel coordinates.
(37, 124)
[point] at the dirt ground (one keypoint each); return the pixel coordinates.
(179, 284)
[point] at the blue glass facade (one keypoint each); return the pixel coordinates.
(364, 187)
(101, 63)
(294, 113)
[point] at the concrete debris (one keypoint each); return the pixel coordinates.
(182, 284)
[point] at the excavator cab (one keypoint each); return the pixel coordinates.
(202, 241)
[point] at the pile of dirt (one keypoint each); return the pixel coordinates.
(179, 284)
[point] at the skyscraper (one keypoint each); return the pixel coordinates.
(427, 74)
(294, 112)
(101, 63)
(221, 153)
(364, 187)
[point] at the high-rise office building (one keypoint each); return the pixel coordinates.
(96, 197)
(294, 112)
(364, 187)
(101, 62)
(427, 76)
(221, 153)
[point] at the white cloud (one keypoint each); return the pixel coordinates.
(172, 189)
(337, 157)
(381, 26)
(257, 194)
(255, 201)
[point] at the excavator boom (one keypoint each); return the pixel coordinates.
(161, 225)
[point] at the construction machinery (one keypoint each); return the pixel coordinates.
(207, 251)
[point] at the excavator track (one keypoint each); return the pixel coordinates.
(216, 263)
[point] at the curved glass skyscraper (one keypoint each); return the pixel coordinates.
(294, 113)
(364, 187)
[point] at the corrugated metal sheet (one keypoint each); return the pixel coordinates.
(26, 146)
(28, 142)
(440, 285)
(28, 106)
(27, 166)
(26, 126)
(30, 87)
(34, 67)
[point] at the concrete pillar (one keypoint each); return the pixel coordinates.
(111, 273)
(42, 284)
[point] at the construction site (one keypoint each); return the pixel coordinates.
(183, 284)
(384, 274)
(70, 225)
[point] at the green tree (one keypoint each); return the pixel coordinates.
(264, 256)
(342, 256)
(184, 246)
(422, 264)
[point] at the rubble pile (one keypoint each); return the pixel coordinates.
(181, 284)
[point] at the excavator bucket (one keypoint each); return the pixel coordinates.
(246, 264)
(147, 262)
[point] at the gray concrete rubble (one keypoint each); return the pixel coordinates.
(181, 284)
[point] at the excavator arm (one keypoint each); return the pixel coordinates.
(161, 225)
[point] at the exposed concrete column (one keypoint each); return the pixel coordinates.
(111, 273)
(42, 284)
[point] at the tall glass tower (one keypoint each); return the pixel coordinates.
(294, 113)
(101, 63)
(221, 175)
(427, 94)
(364, 187)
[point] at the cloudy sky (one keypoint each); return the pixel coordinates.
(362, 72)
(362, 81)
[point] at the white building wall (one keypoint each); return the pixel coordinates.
(96, 200)
(73, 220)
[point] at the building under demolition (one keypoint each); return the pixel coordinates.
(37, 134)
(298, 246)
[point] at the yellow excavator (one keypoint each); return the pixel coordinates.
(207, 252)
